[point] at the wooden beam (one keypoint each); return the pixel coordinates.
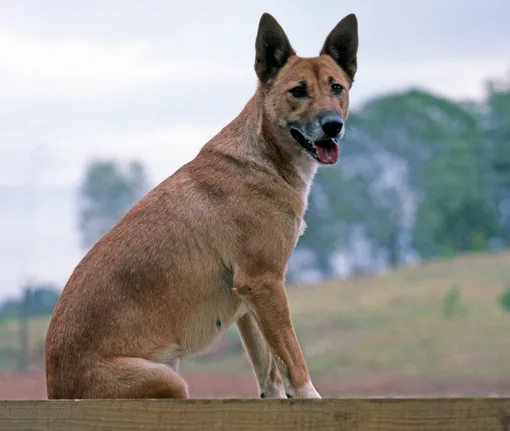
(491, 414)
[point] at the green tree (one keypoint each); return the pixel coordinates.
(414, 177)
(108, 191)
(335, 205)
(497, 128)
(442, 144)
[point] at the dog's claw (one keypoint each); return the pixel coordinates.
(262, 395)
(288, 396)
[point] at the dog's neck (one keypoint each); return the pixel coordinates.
(250, 138)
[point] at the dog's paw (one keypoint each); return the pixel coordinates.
(273, 392)
(306, 391)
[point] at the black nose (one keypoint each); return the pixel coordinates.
(332, 125)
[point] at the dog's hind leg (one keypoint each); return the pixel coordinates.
(268, 378)
(139, 378)
(124, 377)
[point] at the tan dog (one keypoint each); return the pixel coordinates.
(209, 246)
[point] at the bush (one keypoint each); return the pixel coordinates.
(504, 300)
(452, 304)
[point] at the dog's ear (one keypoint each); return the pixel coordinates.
(272, 48)
(342, 44)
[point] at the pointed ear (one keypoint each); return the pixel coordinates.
(342, 44)
(272, 48)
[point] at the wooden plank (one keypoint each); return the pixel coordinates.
(492, 414)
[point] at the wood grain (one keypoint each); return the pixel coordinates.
(492, 414)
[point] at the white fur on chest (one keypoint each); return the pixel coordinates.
(300, 229)
(306, 171)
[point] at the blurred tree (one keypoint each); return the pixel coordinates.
(37, 300)
(415, 177)
(442, 145)
(335, 205)
(108, 191)
(497, 129)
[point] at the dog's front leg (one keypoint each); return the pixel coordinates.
(266, 297)
(268, 378)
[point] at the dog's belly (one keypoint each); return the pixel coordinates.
(207, 322)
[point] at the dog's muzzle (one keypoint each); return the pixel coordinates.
(325, 151)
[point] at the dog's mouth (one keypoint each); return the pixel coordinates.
(324, 151)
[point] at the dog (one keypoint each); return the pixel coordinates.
(208, 247)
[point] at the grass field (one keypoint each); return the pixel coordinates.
(386, 325)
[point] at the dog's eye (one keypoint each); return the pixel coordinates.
(299, 91)
(337, 89)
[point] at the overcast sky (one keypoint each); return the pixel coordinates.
(156, 79)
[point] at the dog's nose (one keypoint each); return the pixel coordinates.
(332, 125)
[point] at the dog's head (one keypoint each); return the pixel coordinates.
(307, 99)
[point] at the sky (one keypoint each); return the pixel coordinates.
(154, 80)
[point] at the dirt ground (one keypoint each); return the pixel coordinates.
(15, 386)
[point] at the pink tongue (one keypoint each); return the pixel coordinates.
(327, 154)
